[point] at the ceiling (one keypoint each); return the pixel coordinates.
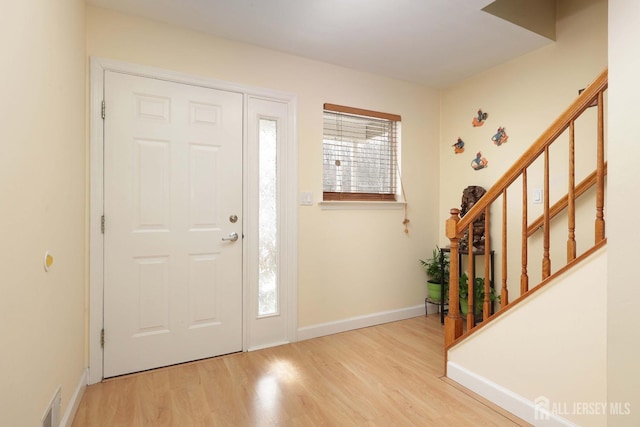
(431, 42)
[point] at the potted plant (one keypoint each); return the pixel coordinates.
(478, 294)
(437, 273)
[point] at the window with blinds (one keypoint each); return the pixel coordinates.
(360, 150)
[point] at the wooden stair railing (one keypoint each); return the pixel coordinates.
(455, 226)
(562, 204)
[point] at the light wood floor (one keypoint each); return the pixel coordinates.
(387, 375)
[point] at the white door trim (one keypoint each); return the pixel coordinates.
(98, 66)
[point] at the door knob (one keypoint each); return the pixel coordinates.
(232, 237)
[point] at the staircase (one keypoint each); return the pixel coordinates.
(533, 352)
(514, 181)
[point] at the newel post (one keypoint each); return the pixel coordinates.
(453, 321)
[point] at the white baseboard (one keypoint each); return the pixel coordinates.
(75, 399)
(322, 329)
(535, 413)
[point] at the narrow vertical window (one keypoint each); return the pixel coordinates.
(267, 220)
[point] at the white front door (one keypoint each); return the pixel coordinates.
(172, 195)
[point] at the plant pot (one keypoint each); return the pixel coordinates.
(464, 307)
(433, 291)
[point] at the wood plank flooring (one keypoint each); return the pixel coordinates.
(387, 375)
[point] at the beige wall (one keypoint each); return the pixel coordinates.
(351, 262)
(525, 96)
(554, 345)
(623, 205)
(42, 205)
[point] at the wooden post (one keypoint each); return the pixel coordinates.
(524, 277)
(546, 258)
(504, 293)
(486, 306)
(600, 172)
(571, 196)
(471, 296)
(453, 321)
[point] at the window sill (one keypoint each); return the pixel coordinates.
(366, 205)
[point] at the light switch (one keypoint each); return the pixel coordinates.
(306, 198)
(537, 196)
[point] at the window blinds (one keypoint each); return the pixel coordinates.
(360, 154)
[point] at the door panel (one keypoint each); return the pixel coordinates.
(172, 178)
(269, 311)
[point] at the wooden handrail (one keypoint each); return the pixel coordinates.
(455, 226)
(562, 204)
(584, 100)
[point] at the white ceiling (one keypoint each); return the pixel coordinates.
(432, 42)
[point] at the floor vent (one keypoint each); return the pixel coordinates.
(51, 417)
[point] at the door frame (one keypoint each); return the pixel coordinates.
(288, 200)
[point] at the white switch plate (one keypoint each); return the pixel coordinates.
(306, 198)
(537, 196)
